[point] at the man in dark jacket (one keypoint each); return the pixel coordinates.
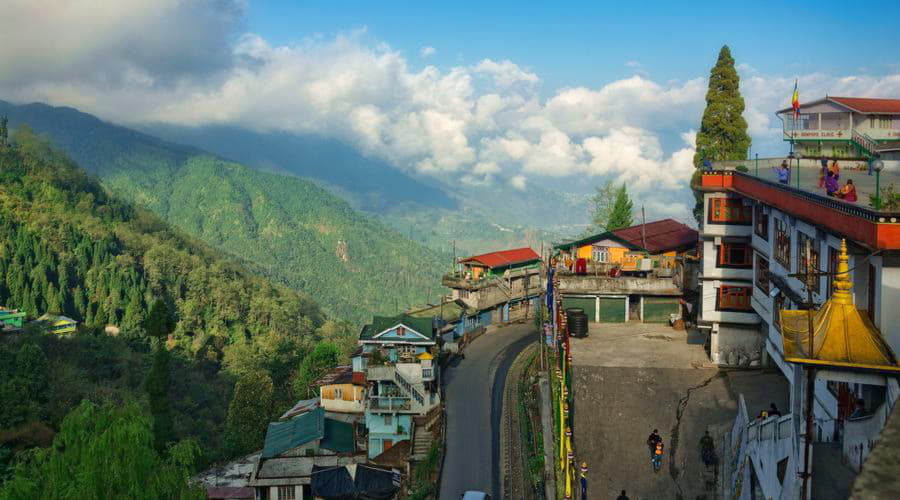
(652, 440)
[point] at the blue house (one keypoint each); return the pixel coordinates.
(396, 355)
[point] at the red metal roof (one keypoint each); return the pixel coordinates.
(505, 258)
(869, 105)
(662, 235)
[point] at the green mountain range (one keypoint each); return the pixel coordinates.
(284, 227)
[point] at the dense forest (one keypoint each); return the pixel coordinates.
(284, 227)
(68, 246)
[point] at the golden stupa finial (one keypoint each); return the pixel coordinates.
(842, 283)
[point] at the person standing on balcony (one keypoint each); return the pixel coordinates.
(835, 169)
(824, 162)
(831, 184)
(784, 172)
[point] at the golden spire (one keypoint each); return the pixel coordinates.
(842, 284)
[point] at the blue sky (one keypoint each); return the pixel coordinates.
(511, 94)
(589, 43)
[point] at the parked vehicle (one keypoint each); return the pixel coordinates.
(475, 495)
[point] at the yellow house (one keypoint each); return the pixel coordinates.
(60, 325)
(339, 392)
(658, 243)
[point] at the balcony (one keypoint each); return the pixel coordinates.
(463, 280)
(388, 403)
(653, 284)
(380, 372)
(879, 230)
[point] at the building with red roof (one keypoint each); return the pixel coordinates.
(496, 286)
(852, 128)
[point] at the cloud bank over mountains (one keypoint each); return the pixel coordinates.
(189, 63)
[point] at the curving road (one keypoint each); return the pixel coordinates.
(474, 395)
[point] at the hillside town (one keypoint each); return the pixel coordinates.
(370, 268)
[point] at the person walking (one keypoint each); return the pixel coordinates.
(623, 496)
(652, 441)
(707, 449)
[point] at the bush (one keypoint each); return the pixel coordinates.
(741, 168)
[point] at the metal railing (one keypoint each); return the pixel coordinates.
(388, 403)
(402, 382)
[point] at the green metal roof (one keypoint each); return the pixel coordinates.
(338, 436)
(608, 235)
(382, 323)
(282, 436)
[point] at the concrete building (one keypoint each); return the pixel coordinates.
(339, 392)
(496, 287)
(851, 128)
(396, 357)
(630, 274)
(757, 236)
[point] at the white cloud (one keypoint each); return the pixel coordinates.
(180, 62)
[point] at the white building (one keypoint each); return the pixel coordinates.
(754, 236)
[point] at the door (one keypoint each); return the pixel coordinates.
(386, 444)
(612, 310)
(589, 304)
(659, 309)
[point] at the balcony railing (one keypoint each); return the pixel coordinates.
(399, 403)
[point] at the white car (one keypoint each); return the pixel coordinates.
(475, 495)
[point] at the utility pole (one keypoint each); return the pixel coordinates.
(643, 229)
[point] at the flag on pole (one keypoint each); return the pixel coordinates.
(795, 100)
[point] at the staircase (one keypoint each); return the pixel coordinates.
(866, 145)
(422, 439)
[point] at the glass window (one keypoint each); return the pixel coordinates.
(286, 493)
(729, 211)
(762, 279)
(762, 222)
(782, 244)
(601, 254)
(734, 255)
(734, 298)
(839, 150)
(777, 307)
(388, 419)
(802, 240)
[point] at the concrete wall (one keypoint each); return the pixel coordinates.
(890, 305)
(737, 345)
(379, 431)
(573, 285)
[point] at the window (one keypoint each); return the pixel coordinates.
(812, 150)
(762, 221)
(338, 393)
(782, 244)
(426, 373)
(406, 349)
(601, 254)
(388, 420)
(401, 331)
(286, 493)
(463, 294)
(839, 150)
(777, 306)
(734, 255)
(880, 121)
(729, 211)
(832, 269)
(734, 298)
(802, 240)
(762, 267)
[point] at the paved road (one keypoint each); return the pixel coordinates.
(474, 395)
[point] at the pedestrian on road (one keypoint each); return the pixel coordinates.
(623, 496)
(652, 441)
(707, 449)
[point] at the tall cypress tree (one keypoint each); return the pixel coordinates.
(622, 210)
(723, 131)
(159, 380)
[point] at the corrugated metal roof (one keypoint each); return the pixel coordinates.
(338, 436)
(337, 375)
(869, 105)
(505, 258)
(282, 436)
(382, 323)
(661, 236)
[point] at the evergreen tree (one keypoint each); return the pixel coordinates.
(723, 130)
(158, 385)
(159, 322)
(622, 210)
(323, 358)
(105, 452)
(248, 412)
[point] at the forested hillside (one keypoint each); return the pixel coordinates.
(68, 246)
(282, 226)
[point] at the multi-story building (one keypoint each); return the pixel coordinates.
(845, 128)
(341, 392)
(396, 355)
(758, 238)
(633, 273)
(496, 287)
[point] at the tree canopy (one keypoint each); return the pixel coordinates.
(622, 212)
(723, 130)
(249, 412)
(105, 452)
